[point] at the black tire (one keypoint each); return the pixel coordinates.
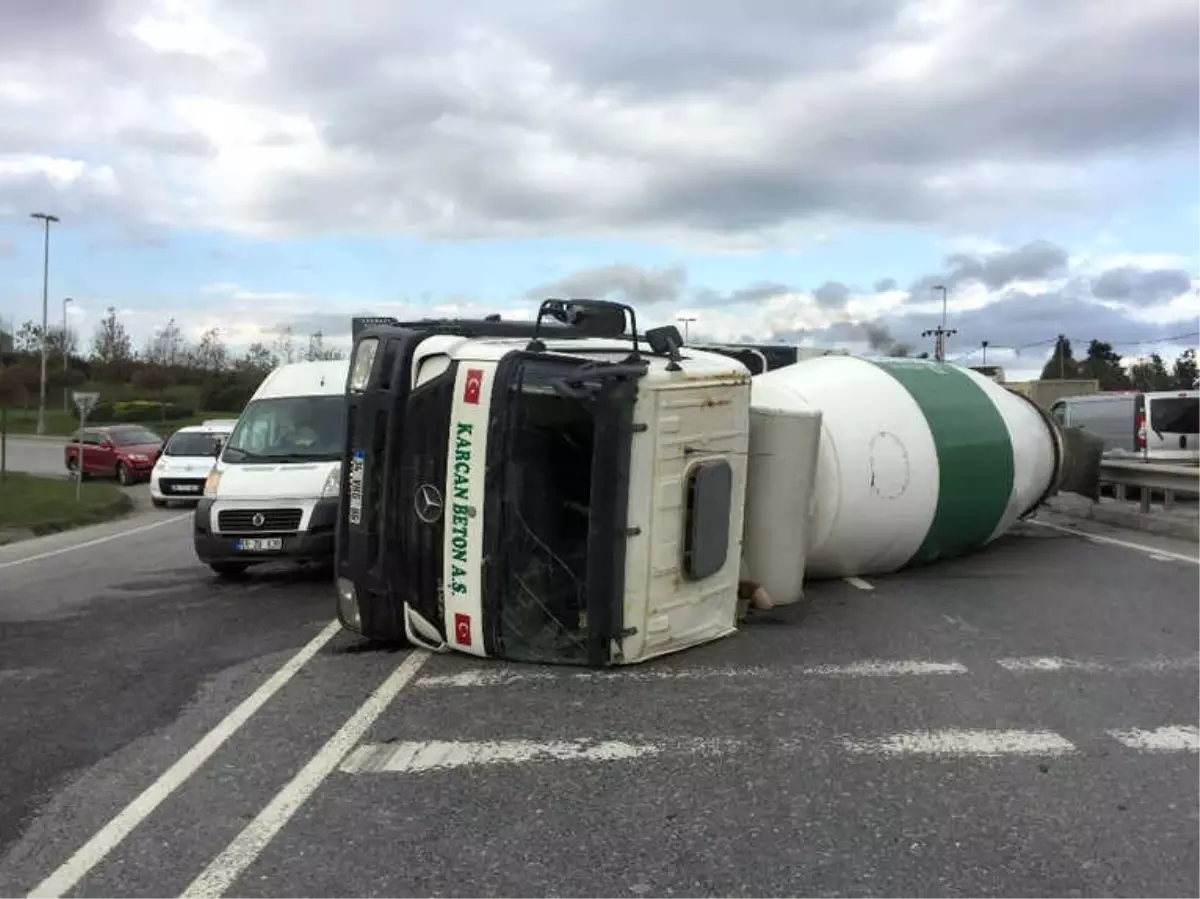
(124, 476)
(158, 503)
(229, 569)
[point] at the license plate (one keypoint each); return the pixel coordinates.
(356, 488)
(186, 488)
(259, 544)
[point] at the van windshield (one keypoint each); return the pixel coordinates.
(1175, 415)
(290, 429)
(194, 443)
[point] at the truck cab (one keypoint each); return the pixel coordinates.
(571, 494)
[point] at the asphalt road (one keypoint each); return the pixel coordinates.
(1022, 722)
(36, 456)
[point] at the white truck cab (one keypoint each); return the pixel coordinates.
(551, 497)
(273, 493)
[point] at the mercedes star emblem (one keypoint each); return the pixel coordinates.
(428, 503)
(258, 520)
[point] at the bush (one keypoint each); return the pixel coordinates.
(137, 412)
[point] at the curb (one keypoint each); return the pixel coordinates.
(1148, 523)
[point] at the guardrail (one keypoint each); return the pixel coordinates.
(1150, 478)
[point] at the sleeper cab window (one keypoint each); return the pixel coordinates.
(707, 509)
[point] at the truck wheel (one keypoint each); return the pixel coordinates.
(228, 569)
(123, 475)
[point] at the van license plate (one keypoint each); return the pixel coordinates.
(356, 488)
(260, 544)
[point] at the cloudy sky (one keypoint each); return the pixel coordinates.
(801, 170)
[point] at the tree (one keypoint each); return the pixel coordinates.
(1184, 375)
(167, 347)
(28, 339)
(154, 379)
(1062, 364)
(210, 354)
(1104, 364)
(285, 347)
(257, 358)
(12, 393)
(1150, 374)
(111, 342)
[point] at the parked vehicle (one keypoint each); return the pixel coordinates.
(1161, 426)
(126, 452)
(186, 461)
(273, 493)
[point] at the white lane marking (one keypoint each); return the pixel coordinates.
(96, 542)
(241, 852)
(1153, 551)
(433, 755)
(959, 742)
(1162, 739)
(23, 674)
(94, 850)
(483, 677)
(859, 583)
(1039, 664)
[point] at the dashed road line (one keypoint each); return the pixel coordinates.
(486, 677)
(1049, 664)
(1161, 739)
(241, 852)
(108, 837)
(965, 742)
(430, 756)
(859, 583)
(435, 755)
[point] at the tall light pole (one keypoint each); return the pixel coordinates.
(62, 345)
(686, 321)
(47, 219)
(940, 333)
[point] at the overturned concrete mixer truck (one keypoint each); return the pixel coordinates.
(572, 491)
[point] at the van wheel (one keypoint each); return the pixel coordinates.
(229, 569)
(123, 476)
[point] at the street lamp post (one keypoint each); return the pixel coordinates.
(63, 345)
(46, 218)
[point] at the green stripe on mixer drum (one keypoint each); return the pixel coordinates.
(975, 455)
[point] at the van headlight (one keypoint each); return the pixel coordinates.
(333, 483)
(211, 483)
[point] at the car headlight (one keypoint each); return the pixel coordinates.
(138, 457)
(333, 482)
(211, 483)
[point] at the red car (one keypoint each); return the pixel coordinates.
(126, 452)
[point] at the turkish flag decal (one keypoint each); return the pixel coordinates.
(462, 629)
(473, 386)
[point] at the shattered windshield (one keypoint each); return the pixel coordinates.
(544, 516)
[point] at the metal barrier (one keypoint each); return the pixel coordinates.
(1149, 478)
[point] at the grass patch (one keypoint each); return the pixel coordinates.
(63, 424)
(47, 505)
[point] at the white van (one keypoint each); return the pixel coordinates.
(273, 494)
(1159, 426)
(187, 458)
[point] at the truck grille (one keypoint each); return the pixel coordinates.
(243, 520)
